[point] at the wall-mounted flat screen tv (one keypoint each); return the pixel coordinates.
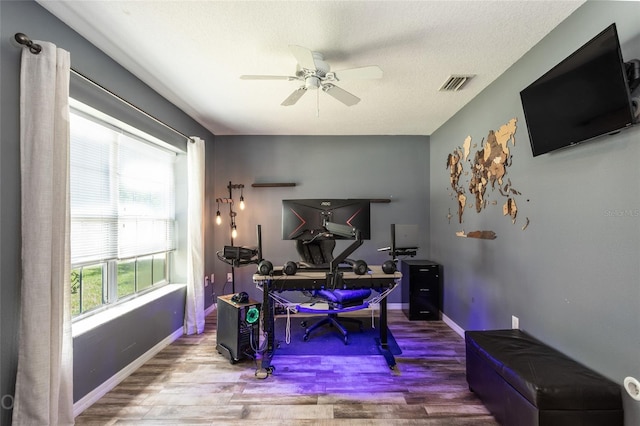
(302, 219)
(583, 97)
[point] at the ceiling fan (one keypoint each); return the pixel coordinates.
(316, 74)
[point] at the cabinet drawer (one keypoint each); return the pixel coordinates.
(426, 298)
(428, 292)
(424, 309)
(424, 277)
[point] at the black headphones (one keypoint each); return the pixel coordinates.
(360, 267)
(389, 267)
(265, 267)
(290, 268)
(241, 297)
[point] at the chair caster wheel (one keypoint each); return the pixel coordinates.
(303, 324)
(305, 337)
(346, 340)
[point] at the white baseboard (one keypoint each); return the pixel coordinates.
(210, 309)
(455, 327)
(93, 396)
(452, 325)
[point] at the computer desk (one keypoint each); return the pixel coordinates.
(316, 280)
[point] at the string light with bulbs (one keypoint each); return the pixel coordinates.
(232, 213)
(232, 217)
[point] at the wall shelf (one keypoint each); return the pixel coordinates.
(272, 185)
(289, 184)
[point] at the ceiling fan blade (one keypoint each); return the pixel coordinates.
(268, 77)
(304, 56)
(294, 97)
(340, 94)
(369, 72)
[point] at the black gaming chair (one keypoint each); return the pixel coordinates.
(318, 254)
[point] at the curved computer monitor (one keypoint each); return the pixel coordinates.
(303, 219)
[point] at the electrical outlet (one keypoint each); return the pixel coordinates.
(632, 386)
(206, 281)
(229, 277)
(515, 322)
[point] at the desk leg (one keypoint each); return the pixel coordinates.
(383, 324)
(384, 343)
(264, 367)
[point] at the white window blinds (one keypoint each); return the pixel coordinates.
(122, 193)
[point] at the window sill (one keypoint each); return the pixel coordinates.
(87, 324)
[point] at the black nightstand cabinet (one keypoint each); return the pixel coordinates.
(422, 289)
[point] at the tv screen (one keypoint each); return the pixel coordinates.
(584, 96)
(302, 219)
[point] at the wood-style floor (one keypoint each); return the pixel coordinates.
(189, 383)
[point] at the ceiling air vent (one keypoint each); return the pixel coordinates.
(455, 83)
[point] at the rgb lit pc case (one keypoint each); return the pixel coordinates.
(238, 328)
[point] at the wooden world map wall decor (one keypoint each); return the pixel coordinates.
(486, 169)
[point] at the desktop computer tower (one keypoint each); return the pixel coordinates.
(238, 327)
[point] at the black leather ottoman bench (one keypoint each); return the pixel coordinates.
(522, 381)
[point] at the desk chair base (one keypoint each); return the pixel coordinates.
(332, 319)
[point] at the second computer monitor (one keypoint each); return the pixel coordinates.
(301, 219)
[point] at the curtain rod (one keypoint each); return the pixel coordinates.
(36, 49)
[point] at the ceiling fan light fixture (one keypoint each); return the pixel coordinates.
(312, 82)
(315, 74)
(455, 82)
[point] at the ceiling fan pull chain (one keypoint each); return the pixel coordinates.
(317, 103)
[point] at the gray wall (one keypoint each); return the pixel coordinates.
(116, 343)
(30, 18)
(374, 167)
(572, 276)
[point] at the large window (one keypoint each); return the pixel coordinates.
(122, 211)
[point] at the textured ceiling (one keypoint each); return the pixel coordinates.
(193, 52)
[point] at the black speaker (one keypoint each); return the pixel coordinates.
(360, 267)
(290, 268)
(241, 297)
(265, 267)
(389, 267)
